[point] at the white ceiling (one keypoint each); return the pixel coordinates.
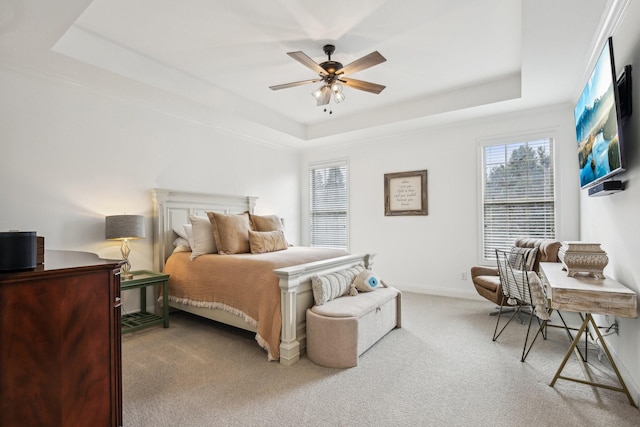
(446, 60)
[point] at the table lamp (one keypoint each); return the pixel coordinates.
(125, 228)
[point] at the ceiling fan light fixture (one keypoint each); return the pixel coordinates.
(325, 95)
(336, 88)
(338, 97)
(317, 93)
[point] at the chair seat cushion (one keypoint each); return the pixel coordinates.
(489, 283)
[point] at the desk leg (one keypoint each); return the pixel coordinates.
(623, 388)
(165, 303)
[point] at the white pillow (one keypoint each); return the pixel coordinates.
(203, 242)
(367, 281)
(185, 235)
(180, 231)
(188, 230)
(179, 241)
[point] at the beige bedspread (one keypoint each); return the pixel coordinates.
(242, 284)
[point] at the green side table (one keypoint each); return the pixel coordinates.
(142, 319)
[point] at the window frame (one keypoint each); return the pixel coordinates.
(326, 165)
(504, 142)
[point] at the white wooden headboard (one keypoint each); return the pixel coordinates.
(172, 208)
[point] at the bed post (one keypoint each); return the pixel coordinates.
(289, 344)
(160, 198)
(368, 261)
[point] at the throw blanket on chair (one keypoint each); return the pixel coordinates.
(518, 291)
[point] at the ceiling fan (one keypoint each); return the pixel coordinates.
(331, 74)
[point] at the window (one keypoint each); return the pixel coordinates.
(329, 214)
(517, 194)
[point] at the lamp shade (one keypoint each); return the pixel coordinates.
(124, 227)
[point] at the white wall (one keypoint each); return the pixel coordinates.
(72, 155)
(431, 253)
(613, 220)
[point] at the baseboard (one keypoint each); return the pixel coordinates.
(629, 380)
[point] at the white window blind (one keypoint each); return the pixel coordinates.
(329, 216)
(518, 194)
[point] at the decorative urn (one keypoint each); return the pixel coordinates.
(581, 257)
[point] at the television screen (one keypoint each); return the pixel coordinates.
(597, 118)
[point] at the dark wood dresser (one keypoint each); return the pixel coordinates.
(60, 343)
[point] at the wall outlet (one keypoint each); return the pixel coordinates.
(463, 275)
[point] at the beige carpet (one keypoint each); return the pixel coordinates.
(440, 369)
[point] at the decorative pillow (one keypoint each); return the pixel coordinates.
(231, 232)
(179, 241)
(188, 229)
(366, 281)
(523, 258)
(185, 236)
(266, 222)
(266, 241)
(203, 242)
(334, 285)
(180, 231)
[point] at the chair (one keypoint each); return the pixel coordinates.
(521, 288)
(487, 280)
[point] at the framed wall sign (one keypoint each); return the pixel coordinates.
(405, 193)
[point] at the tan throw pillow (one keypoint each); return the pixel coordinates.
(231, 232)
(266, 222)
(266, 241)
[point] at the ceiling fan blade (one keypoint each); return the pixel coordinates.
(367, 61)
(362, 85)
(325, 96)
(293, 84)
(302, 58)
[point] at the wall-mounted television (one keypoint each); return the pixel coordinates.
(598, 122)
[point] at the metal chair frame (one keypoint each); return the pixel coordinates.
(508, 270)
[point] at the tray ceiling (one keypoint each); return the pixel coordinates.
(446, 60)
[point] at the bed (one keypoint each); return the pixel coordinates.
(289, 277)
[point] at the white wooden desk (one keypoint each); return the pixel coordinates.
(586, 294)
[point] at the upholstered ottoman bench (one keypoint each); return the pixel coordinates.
(341, 329)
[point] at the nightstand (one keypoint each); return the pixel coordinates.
(142, 319)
